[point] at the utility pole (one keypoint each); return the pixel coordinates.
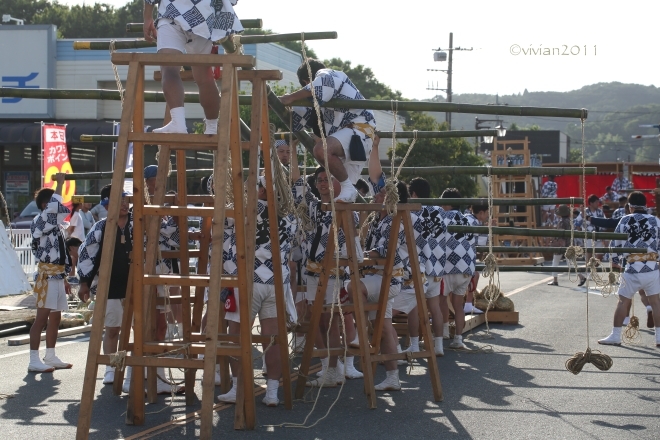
(439, 55)
(451, 56)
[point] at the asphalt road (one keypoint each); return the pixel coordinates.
(520, 390)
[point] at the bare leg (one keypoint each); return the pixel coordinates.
(351, 332)
(171, 82)
(37, 326)
(52, 329)
(335, 156)
(388, 343)
(459, 315)
(209, 97)
(444, 308)
(273, 364)
(436, 314)
(110, 340)
(413, 323)
(621, 311)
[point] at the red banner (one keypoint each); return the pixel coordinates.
(55, 159)
(569, 186)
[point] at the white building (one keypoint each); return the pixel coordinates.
(39, 60)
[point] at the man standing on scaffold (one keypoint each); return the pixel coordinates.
(350, 132)
(188, 26)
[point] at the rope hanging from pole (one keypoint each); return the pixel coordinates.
(600, 360)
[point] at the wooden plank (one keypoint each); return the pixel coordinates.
(89, 382)
(202, 140)
(280, 301)
(243, 75)
(170, 59)
(213, 307)
(503, 317)
(125, 332)
(61, 333)
(422, 310)
(182, 211)
(186, 280)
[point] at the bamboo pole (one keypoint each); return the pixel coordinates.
(501, 202)
(526, 232)
(498, 171)
(426, 106)
(554, 250)
(558, 269)
(13, 92)
(140, 43)
(249, 23)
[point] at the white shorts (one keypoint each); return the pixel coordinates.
(114, 312)
(56, 296)
(263, 303)
(548, 207)
(406, 300)
(172, 36)
(373, 283)
(633, 282)
(456, 283)
(433, 288)
(312, 285)
(296, 254)
(353, 168)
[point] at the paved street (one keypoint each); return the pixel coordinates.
(520, 390)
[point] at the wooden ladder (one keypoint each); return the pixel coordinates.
(369, 350)
(142, 301)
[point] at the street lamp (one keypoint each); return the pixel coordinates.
(478, 125)
(6, 18)
(440, 55)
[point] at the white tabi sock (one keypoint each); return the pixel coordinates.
(178, 115)
(34, 356)
(649, 309)
(271, 387)
(657, 335)
(616, 331)
(211, 126)
(414, 343)
(392, 374)
(346, 184)
(50, 352)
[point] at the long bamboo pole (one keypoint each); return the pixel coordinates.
(140, 43)
(552, 249)
(501, 202)
(497, 171)
(426, 106)
(405, 170)
(526, 232)
(249, 23)
(558, 269)
(13, 92)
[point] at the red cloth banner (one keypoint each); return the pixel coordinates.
(569, 186)
(55, 159)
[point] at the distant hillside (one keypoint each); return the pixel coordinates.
(615, 111)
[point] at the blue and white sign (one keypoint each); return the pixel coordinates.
(28, 62)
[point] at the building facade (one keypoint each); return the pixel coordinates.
(40, 60)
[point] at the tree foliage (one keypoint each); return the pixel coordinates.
(435, 152)
(364, 79)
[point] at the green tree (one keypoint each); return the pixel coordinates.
(513, 127)
(364, 79)
(292, 45)
(434, 152)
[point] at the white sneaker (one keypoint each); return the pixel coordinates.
(299, 346)
(271, 401)
(472, 310)
(351, 373)
(229, 397)
(172, 127)
(56, 363)
(610, 340)
(347, 195)
(109, 376)
(457, 344)
(329, 380)
(391, 383)
(39, 367)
